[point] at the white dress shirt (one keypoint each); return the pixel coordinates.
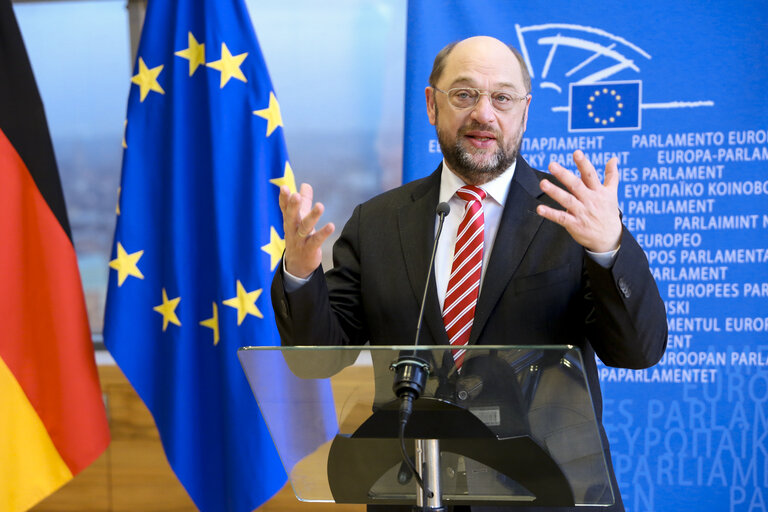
(493, 205)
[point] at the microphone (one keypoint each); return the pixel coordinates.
(411, 371)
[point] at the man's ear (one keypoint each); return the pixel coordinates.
(429, 93)
(525, 114)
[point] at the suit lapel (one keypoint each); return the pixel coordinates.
(416, 221)
(519, 223)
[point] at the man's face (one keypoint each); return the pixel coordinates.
(479, 143)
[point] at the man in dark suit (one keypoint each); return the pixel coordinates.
(558, 267)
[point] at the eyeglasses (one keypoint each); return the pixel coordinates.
(467, 97)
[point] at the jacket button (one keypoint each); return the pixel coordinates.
(624, 287)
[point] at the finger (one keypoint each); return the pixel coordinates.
(307, 223)
(318, 237)
(294, 203)
(285, 193)
(562, 197)
(560, 217)
(587, 170)
(305, 190)
(291, 214)
(612, 174)
(567, 178)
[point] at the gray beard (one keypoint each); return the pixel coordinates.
(476, 173)
(460, 160)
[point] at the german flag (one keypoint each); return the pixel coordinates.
(52, 418)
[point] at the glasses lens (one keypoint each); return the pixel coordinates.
(463, 98)
(503, 100)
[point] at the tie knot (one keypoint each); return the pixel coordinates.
(471, 193)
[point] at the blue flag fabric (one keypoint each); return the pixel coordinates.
(196, 242)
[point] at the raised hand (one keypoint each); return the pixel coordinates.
(303, 243)
(591, 214)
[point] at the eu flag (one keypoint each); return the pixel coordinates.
(196, 242)
(605, 106)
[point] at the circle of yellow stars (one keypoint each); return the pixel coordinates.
(606, 93)
(228, 65)
(127, 264)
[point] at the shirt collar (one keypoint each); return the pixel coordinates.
(497, 189)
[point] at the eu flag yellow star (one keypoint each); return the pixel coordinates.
(274, 248)
(271, 114)
(288, 179)
(168, 310)
(213, 323)
(245, 303)
(229, 65)
(194, 53)
(146, 79)
(126, 264)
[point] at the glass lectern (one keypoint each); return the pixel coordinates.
(514, 425)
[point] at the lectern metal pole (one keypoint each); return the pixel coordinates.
(428, 460)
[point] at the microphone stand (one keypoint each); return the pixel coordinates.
(411, 373)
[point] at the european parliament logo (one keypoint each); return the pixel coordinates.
(605, 106)
(581, 59)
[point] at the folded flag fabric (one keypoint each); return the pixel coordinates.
(198, 238)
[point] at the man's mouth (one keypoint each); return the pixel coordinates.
(480, 139)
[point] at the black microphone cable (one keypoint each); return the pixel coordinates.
(411, 371)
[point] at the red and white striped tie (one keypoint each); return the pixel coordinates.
(464, 282)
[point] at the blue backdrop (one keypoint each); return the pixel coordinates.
(691, 134)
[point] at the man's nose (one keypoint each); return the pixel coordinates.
(483, 112)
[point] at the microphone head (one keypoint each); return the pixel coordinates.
(443, 209)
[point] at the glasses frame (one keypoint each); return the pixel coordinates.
(482, 92)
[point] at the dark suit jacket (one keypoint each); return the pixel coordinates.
(540, 287)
